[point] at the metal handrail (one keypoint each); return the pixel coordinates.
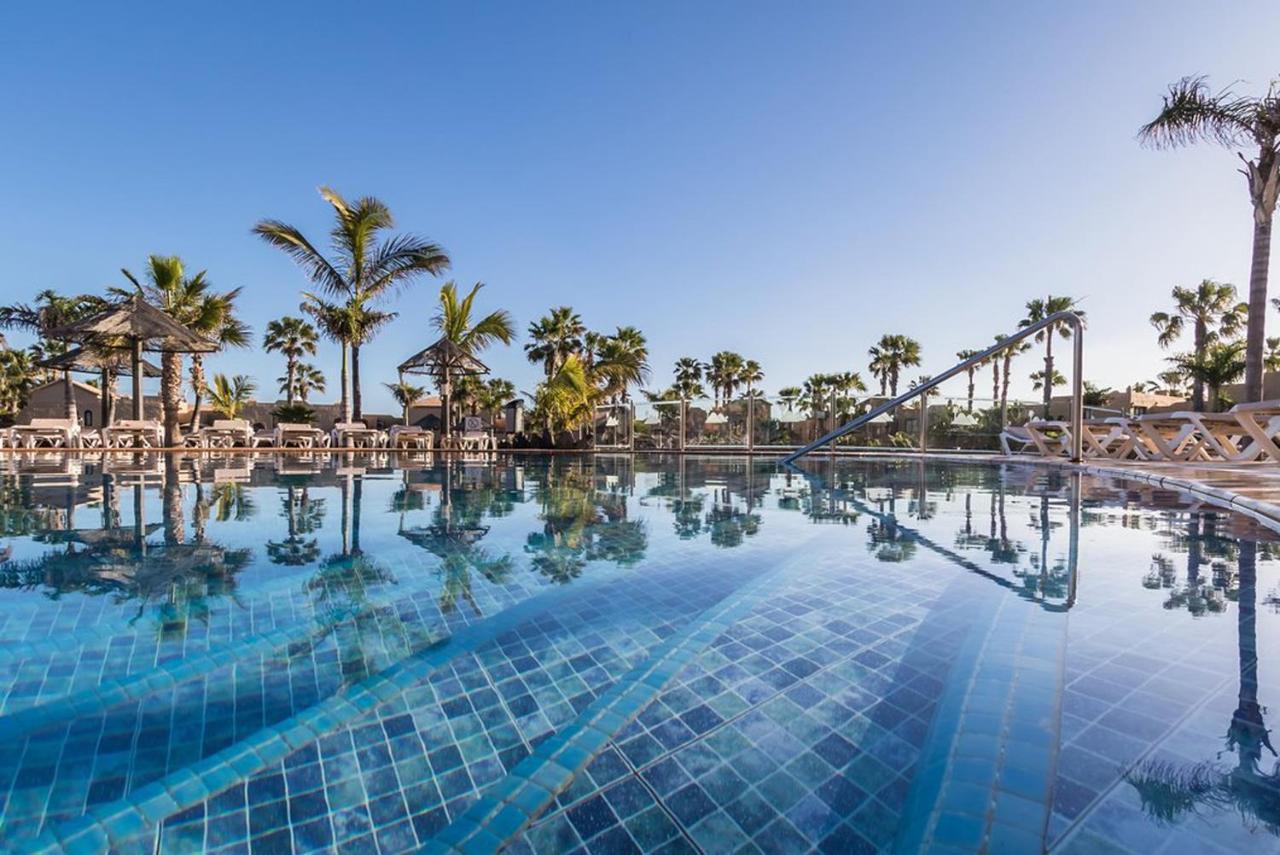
(1077, 385)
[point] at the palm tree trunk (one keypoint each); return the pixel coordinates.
(69, 397)
(291, 371)
(344, 399)
(197, 388)
(109, 417)
(995, 381)
(1197, 386)
(357, 410)
(971, 372)
(104, 408)
(1255, 338)
(170, 396)
(1048, 369)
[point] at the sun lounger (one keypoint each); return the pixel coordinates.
(355, 435)
(411, 436)
(297, 435)
(227, 433)
(48, 433)
(132, 433)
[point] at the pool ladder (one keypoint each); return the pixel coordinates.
(1071, 319)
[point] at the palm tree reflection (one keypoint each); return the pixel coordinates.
(456, 529)
(581, 524)
(1170, 790)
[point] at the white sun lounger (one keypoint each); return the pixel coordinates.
(48, 433)
(137, 433)
(410, 436)
(298, 435)
(356, 435)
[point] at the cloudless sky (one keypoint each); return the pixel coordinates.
(789, 181)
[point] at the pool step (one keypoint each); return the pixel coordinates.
(514, 802)
(985, 778)
(112, 823)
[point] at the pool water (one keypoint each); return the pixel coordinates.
(401, 652)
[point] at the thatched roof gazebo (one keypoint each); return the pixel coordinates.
(103, 362)
(443, 360)
(134, 325)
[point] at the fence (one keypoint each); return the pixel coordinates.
(776, 423)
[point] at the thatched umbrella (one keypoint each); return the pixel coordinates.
(134, 325)
(108, 364)
(443, 360)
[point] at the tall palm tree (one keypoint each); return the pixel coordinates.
(1220, 364)
(891, 354)
(192, 302)
(1039, 309)
(1193, 113)
(229, 395)
(972, 370)
(619, 362)
(367, 263)
(1006, 366)
(215, 319)
(1214, 313)
(293, 338)
(338, 322)
(723, 374)
(750, 375)
(405, 394)
(51, 310)
(455, 321)
(494, 395)
(688, 374)
(554, 337)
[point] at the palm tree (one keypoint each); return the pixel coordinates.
(750, 375)
(368, 264)
(889, 356)
(339, 322)
(565, 400)
(620, 362)
(495, 395)
(405, 394)
(293, 338)
(688, 374)
(1006, 361)
(1038, 310)
(49, 311)
(307, 379)
(17, 379)
(1037, 380)
(454, 320)
(723, 375)
(972, 370)
(215, 320)
(229, 396)
(1220, 364)
(1192, 113)
(554, 337)
(1214, 313)
(1272, 359)
(192, 302)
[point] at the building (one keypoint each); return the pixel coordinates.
(48, 401)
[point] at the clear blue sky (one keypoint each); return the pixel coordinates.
(787, 180)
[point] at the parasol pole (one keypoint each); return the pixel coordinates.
(137, 378)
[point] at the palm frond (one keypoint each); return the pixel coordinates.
(317, 268)
(1192, 113)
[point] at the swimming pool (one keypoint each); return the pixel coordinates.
(387, 653)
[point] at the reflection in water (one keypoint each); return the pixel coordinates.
(1170, 790)
(457, 528)
(312, 541)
